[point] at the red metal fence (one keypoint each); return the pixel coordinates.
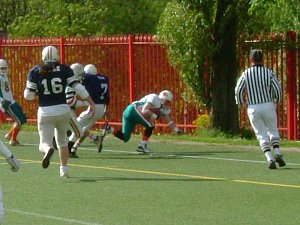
(135, 65)
(138, 65)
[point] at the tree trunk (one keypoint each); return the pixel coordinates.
(224, 113)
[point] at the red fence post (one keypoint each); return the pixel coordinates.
(131, 67)
(291, 86)
(62, 50)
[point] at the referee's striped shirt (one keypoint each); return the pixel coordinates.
(260, 84)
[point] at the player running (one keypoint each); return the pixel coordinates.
(97, 85)
(145, 112)
(9, 106)
(48, 81)
(14, 166)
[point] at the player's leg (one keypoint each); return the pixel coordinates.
(61, 126)
(46, 133)
(149, 127)
(87, 122)
(255, 114)
(270, 118)
(17, 115)
(77, 132)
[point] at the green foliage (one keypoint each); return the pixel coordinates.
(185, 32)
(276, 15)
(11, 9)
(87, 18)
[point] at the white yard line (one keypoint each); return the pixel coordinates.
(50, 217)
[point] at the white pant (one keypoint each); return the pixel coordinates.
(50, 126)
(86, 121)
(263, 119)
(77, 130)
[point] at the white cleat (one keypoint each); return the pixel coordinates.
(144, 149)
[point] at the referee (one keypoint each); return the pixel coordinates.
(259, 90)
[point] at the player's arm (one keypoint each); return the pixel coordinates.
(146, 111)
(82, 92)
(31, 87)
(239, 91)
(167, 119)
(72, 100)
(10, 158)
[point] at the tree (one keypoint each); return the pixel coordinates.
(87, 18)
(10, 9)
(274, 16)
(201, 37)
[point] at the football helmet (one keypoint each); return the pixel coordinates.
(77, 70)
(3, 67)
(90, 69)
(165, 96)
(50, 55)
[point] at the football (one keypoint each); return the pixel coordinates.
(155, 111)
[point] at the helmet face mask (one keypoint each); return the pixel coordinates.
(3, 67)
(90, 69)
(77, 70)
(166, 98)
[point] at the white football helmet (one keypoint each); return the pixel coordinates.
(165, 95)
(90, 69)
(3, 67)
(77, 70)
(50, 55)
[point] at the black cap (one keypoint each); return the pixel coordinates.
(256, 55)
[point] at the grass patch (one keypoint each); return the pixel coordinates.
(185, 182)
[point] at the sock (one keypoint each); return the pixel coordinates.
(143, 142)
(268, 155)
(277, 151)
(15, 133)
(63, 169)
(77, 144)
(11, 130)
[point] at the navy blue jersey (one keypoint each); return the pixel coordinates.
(98, 87)
(50, 86)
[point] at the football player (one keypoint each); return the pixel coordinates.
(97, 85)
(145, 112)
(14, 166)
(48, 81)
(9, 106)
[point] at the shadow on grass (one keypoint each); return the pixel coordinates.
(160, 155)
(96, 179)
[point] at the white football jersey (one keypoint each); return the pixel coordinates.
(5, 91)
(152, 99)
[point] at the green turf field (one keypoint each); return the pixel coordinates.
(182, 183)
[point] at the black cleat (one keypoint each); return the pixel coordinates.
(279, 160)
(73, 155)
(47, 157)
(272, 165)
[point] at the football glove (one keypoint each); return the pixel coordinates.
(14, 163)
(4, 105)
